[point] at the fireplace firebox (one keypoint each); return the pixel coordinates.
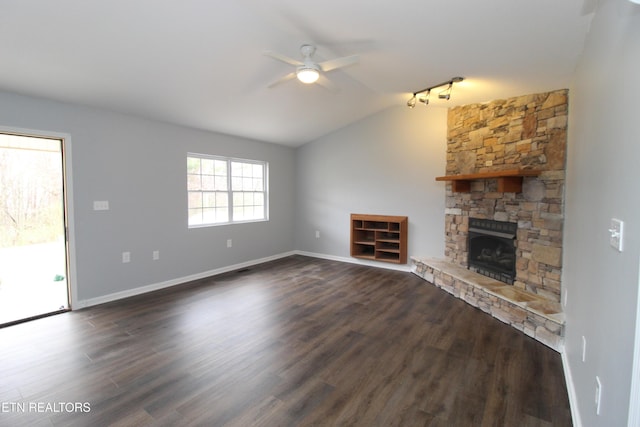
(492, 248)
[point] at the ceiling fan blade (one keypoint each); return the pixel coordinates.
(283, 79)
(283, 58)
(332, 64)
(327, 84)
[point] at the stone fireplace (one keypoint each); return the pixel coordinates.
(527, 132)
(523, 133)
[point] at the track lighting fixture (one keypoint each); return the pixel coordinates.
(423, 95)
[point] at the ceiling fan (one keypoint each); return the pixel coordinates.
(308, 71)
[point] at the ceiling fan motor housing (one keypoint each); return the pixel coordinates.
(307, 50)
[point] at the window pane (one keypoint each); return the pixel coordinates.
(193, 165)
(193, 182)
(208, 200)
(222, 200)
(208, 182)
(221, 183)
(238, 213)
(247, 184)
(220, 167)
(195, 200)
(195, 216)
(208, 216)
(237, 199)
(222, 214)
(207, 166)
(236, 184)
(258, 184)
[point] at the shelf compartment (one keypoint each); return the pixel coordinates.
(362, 236)
(363, 250)
(392, 247)
(386, 256)
(375, 225)
(387, 236)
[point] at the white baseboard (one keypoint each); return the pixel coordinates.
(387, 265)
(173, 282)
(571, 391)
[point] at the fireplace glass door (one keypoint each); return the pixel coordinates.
(492, 249)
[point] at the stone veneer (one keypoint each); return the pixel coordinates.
(526, 132)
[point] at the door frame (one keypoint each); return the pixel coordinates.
(634, 395)
(65, 138)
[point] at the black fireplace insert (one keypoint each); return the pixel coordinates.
(492, 248)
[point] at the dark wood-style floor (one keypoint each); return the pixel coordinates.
(294, 342)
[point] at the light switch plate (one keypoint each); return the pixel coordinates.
(616, 233)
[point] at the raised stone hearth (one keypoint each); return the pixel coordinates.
(532, 314)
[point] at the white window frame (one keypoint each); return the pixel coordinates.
(230, 189)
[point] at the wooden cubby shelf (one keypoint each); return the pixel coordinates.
(509, 181)
(379, 237)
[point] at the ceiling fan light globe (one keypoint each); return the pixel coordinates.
(307, 75)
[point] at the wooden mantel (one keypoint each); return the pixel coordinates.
(509, 181)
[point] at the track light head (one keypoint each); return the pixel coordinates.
(426, 98)
(412, 102)
(446, 94)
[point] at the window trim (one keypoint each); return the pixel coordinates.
(229, 161)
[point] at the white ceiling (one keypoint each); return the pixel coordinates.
(200, 63)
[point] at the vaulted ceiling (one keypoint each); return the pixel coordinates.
(201, 63)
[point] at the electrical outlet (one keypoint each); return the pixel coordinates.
(616, 232)
(126, 257)
(317, 234)
(584, 348)
(156, 255)
(100, 205)
(229, 243)
(598, 394)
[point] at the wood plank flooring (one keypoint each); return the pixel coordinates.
(294, 342)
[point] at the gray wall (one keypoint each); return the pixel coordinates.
(602, 183)
(139, 166)
(385, 164)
